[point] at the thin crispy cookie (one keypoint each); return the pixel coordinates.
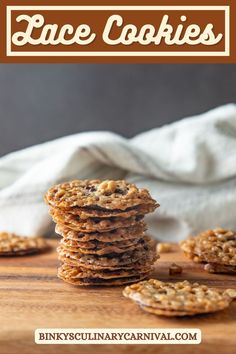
(220, 268)
(120, 234)
(98, 212)
(106, 249)
(98, 245)
(105, 194)
(181, 296)
(73, 272)
(14, 245)
(212, 246)
(98, 281)
(92, 224)
(109, 260)
(141, 264)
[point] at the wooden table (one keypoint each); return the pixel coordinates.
(33, 297)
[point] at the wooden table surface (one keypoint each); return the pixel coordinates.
(33, 297)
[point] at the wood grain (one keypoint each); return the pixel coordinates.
(33, 297)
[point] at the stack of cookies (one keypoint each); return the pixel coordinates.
(216, 248)
(103, 232)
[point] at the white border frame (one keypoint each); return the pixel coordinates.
(11, 53)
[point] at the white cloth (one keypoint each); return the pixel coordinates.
(188, 166)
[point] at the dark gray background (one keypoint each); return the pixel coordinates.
(42, 102)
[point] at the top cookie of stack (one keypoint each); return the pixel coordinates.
(103, 231)
(114, 196)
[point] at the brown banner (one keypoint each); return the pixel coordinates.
(118, 32)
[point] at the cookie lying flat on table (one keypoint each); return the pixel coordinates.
(14, 245)
(177, 299)
(216, 247)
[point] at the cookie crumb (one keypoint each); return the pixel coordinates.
(164, 247)
(175, 269)
(209, 268)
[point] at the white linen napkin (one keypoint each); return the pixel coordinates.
(188, 166)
